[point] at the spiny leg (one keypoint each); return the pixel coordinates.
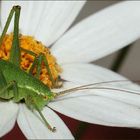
(37, 63)
(48, 69)
(15, 50)
(7, 24)
(31, 102)
(53, 129)
(55, 83)
(15, 53)
(34, 62)
(29, 52)
(15, 58)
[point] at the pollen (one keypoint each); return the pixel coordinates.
(30, 44)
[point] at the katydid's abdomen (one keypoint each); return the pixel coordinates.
(25, 82)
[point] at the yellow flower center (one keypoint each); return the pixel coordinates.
(29, 43)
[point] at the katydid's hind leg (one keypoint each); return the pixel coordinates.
(15, 49)
(7, 25)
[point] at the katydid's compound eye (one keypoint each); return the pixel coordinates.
(30, 44)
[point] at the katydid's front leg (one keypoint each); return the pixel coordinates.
(6, 87)
(31, 102)
(53, 129)
(37, 64)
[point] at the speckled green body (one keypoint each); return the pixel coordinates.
(16, 84)
(27, 84)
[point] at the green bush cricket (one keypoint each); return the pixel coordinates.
(19, 85)
(13, 80)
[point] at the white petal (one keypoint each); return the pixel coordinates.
(33, 127)
(8, 115)
(106, 107)
(99, 110)
(5, 8)
(87, 73)
(80, 74)
(56, 18)
(29, 17)
(26, 9)
(100, 34)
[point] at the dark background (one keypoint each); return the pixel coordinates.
(92, 132)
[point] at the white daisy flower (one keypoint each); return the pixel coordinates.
(93, 38)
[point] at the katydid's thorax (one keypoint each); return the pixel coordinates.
(26, 82)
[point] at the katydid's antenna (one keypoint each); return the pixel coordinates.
(88, 86)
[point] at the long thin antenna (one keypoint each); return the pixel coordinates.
(85, 87)
(107, 88)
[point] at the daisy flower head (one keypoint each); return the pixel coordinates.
(69, 53)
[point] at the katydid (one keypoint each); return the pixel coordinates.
(19, 85)
(13, 80)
